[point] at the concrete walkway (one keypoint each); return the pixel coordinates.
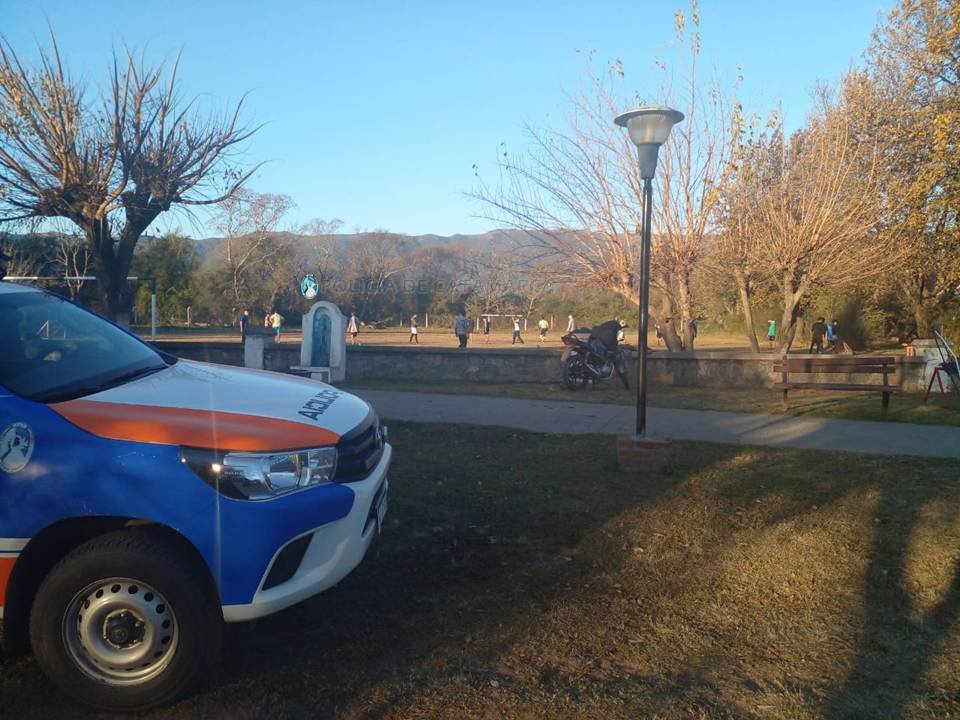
(551, 416)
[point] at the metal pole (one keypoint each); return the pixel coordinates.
(644, 306)
(153, 310)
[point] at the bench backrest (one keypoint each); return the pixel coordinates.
(843, 364)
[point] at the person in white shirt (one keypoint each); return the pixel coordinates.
(413, 330)
(353, 327)
(544, 326)
(516, 331)
(571, 325)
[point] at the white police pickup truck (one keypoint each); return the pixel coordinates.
(146, 499)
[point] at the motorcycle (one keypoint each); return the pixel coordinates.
(588, 360)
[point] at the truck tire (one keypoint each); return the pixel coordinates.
(126, 622)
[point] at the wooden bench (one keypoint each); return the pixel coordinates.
(843, 364)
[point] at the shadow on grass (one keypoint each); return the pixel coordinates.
(523, 575)
(899, 641)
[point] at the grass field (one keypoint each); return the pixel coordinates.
(524, 576)
(904, 407)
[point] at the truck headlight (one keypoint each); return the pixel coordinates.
(261, 476)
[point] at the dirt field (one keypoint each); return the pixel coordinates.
(523, 576)
(441, 338)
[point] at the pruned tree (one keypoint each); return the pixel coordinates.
(110, 166)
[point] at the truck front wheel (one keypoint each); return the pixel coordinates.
(125, 622)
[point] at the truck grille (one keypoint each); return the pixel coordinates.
(359, 451)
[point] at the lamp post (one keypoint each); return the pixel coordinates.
(649, 127)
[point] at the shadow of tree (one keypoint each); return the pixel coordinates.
(899, 642)
(521, 577)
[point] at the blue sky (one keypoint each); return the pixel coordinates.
(376, 111)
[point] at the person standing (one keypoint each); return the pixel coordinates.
(462, 328)
(516, 331)
(244, 325)
(544, 326)
(413, 330)
(485, 325)
(571, 325)
(836, 343)
(817, 331)
(353, 327)
(276, 322)
(771, 332)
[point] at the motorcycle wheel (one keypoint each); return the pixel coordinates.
(620, 364)
(574, 373)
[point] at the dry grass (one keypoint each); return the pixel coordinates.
(524, 576)
(904, 407)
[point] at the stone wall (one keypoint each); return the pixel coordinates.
(538, 365)
(275, 357)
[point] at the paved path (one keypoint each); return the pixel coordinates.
(722, 427)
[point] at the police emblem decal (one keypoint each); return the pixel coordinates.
(16, 447)
(309, 287)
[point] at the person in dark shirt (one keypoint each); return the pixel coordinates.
(244, 323)
(607, 333)
(817, 332)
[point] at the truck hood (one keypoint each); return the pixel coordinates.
(221, 408)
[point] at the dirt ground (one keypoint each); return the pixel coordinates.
(524, 576)
(442, 338)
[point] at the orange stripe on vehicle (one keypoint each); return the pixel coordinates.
(194, 428)
(6, 567)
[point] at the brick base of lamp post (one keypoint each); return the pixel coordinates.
(646, 455)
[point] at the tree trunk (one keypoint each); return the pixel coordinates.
(919, 308)
(793, 292)
(665, 319)
(686, 311)
(746, 302)
(663, 316)
(116, 299)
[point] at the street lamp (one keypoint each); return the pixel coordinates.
(649, 127)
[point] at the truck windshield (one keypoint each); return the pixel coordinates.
(52, 350)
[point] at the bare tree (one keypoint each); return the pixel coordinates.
(487, 274)
(374, 261)
(325, 246)
(26, 259)
(694, 166)
(734, 254)
(577, 193)
(251, 247)
(109, 167)
(73, 259)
